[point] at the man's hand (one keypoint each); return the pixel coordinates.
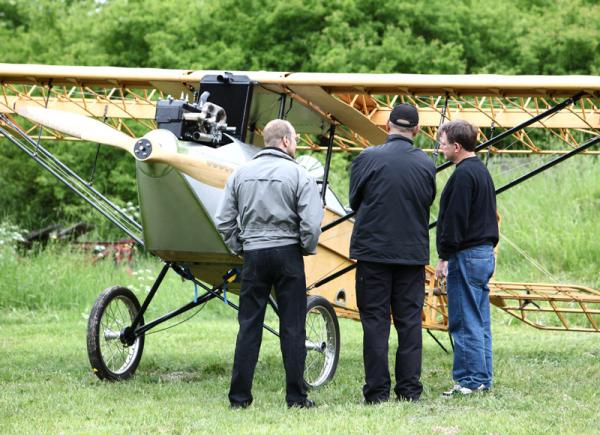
(441, 271)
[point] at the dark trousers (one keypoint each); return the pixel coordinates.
(379, 288)
(282, 268)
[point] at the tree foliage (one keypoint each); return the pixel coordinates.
(433, 36)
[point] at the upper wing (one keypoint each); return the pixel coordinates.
(359, 103)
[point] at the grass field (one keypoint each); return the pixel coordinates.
(545, 382)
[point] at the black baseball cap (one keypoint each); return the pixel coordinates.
(404, 115)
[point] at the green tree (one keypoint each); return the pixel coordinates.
(368, 36)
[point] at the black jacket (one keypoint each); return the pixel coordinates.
(467, 214)
(392, 187)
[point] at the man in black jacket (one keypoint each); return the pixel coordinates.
(467, 232)
(392, 187)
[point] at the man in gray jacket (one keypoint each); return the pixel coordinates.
(271, 212)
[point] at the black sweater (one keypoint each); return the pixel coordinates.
(467, 214)
(392, 187)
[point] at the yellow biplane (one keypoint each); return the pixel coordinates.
(202, 124)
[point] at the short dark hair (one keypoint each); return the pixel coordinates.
(461, 132)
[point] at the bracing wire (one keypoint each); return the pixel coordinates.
(529, 258)
(178, 323)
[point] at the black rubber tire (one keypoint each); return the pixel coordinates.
(321, 363)
(113, 299)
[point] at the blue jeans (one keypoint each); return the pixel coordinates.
(469, 272)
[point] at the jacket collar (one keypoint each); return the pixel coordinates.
(398, 137)
(275, 152)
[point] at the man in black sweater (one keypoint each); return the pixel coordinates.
(467, 232)
(392, 187)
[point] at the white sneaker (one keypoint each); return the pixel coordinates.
(464, 391)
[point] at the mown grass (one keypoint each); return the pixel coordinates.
(545, 382)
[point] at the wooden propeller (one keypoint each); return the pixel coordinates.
(157, 146)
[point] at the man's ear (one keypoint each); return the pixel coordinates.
(387, 127)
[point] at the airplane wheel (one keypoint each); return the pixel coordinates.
(322, 342)
(113, 357)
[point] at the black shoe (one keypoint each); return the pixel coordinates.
(239, 405)
(306, 403)
(376, 401)
(407, 399)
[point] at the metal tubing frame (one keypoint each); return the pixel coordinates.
(550, 164)
(141, 330)
(338, 221)
(542, 168)
(72, 173)
(282, 101)
(331, 277)
(60, 177)
(150, 296)
(327, 163)
(504, 134)
(273, 304)
(436, 148)
(138, 330)
(437, 341)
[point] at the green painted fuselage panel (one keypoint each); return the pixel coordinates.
(177, 225)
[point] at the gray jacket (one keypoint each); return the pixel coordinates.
(270, 201)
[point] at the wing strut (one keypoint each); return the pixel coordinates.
(75, 183)
(328, 162)
(501, 136)
(548, 165)
(551, 163)
(436, 149)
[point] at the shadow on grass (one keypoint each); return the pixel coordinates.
(191, 374)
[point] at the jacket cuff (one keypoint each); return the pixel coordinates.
(444, 254)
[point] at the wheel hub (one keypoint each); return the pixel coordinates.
(319, 347)
(127, 336)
